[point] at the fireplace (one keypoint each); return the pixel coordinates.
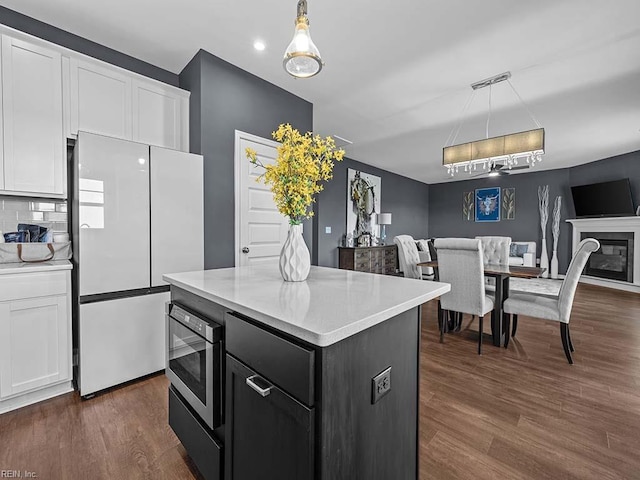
(614, 259)
(608, 267)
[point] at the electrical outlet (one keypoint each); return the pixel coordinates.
(380, 385)
(327, 229)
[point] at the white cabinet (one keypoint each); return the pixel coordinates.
(100, 99)
(113, 102)
(32, 119)
(49, 93)
(160, 115)
(35, 344)
(35, 337)
(177, 239)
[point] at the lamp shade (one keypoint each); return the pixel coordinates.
(384, 219)
(512, 144)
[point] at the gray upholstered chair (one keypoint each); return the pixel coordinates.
(460, 263)
(425, 255)
(557, 309)
(409, 257)
(495, 250)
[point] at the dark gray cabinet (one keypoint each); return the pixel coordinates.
(270, 434)
(299, 411)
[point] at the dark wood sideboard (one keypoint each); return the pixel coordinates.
(379, 259)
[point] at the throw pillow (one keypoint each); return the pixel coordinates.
(518, 250)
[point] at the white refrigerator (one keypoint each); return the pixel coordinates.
(137, 213)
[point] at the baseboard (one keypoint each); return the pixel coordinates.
(40, 395)
(616, 285)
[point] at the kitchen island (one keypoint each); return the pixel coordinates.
(322, 376)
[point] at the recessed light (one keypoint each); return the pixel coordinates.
(259, 45)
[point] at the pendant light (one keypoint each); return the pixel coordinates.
(494, 153)
(302, 58)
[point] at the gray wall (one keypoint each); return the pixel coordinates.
(614, 168)
(225, 98)
(47, 32)
(406, 199)
(445, 202)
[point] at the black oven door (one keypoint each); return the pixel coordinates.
(193, 367)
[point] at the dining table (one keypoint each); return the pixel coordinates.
(501, 273)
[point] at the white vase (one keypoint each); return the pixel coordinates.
(295, 261)
(544, 258)
(554, 264)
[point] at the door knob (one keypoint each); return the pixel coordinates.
(245, 249)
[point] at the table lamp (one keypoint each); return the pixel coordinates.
(383, 219)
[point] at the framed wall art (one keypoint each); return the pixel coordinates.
(488, 204)
(508, 203)
(363, 203)
(468, 206)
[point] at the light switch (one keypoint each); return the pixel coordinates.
(327, 229)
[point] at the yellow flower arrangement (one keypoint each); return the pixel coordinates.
(303, 162)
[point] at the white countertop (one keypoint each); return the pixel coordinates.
(330, 306)
(22, 267)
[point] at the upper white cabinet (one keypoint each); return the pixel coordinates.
(100, 100)
(49, 93)
(113, 102)
(160, 115)
(32, 119)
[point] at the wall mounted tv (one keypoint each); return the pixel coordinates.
(606, 199)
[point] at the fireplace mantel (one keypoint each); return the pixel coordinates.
(610, 225)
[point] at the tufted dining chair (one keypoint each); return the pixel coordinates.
(425, 255)
(549, 308)
(409, 257)
(495, 250)
(460, 263)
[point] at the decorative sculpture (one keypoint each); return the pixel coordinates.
(555, 229)
(543, 205)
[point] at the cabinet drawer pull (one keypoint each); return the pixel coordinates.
(253, 381)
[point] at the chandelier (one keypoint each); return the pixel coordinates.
(302, 58)
(507, 151)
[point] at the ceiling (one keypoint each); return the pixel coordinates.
(397, 74)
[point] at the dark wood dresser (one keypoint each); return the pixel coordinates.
(378, 259)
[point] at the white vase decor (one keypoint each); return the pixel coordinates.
(295, 261)
(302, 164)
(555, 229)
(543, 205)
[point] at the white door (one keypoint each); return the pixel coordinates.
(34, 151)
(113, 193)
(35, 344)
(100, 100)
(260, 228)
(158, 113)
(177, 231)
(120, 340)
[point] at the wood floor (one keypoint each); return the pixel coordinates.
(525, 412)
(521, 413)
(122, 434)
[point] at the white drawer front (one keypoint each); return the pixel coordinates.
(30, 285)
